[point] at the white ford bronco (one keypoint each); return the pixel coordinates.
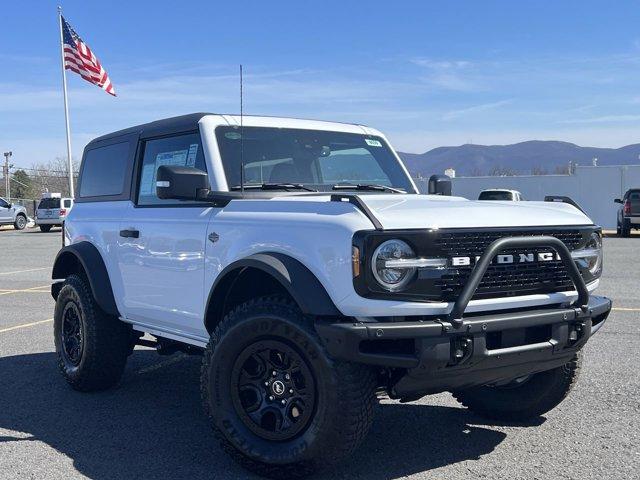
(299, 260)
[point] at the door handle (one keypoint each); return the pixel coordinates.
(130, 233)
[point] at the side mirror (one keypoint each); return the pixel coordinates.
(181, 183)
(439, 185)
(618, 200)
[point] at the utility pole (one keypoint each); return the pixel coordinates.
(5, 171)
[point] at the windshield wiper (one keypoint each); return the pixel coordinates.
(274, 186)
(365, 186)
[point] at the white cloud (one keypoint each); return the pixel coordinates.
(440, 64)
(420, 141)
(604, 119)
(455, 114)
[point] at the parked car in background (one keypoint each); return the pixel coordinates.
(52, 211)
(629, 212)
(11, 213)
(501, 194)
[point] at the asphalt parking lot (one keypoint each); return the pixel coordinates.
(151, 425)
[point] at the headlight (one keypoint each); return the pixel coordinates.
(387, 264)
(590, 257)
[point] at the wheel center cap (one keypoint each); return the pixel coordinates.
(278, 387)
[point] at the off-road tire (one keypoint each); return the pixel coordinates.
(21, 222)
(536, 396)
(105, 339)
(345, 393)
(45, 228)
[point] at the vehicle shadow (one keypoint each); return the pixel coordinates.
(152, 426)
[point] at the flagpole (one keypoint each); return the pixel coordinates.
(66, 105)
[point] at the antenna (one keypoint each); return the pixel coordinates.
(241, 138)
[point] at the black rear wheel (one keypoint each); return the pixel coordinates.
(45, 228)
(280, 406)
(92, 347)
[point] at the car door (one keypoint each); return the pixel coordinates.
(5, 212)
(162, 243)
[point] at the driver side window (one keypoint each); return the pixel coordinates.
(179, 150)
(3, 203)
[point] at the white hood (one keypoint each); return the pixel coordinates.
(396, 211)
(434, 211)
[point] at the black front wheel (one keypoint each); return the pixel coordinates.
(278, 403)
(524, 398)
(45, 228)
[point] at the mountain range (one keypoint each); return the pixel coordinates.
(530, 157)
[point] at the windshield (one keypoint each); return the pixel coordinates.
(49, 203)
(317, 159)
(495, 196)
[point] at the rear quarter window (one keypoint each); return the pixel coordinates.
(47, 203)
(104, 170)
(634, 196)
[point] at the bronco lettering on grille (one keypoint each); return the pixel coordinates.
(507, 259)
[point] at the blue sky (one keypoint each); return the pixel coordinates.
(426, 73)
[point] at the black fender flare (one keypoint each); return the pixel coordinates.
(301, 284)
(86, 255)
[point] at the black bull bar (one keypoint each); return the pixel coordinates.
(495, 248)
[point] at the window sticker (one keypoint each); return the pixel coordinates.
(191, 156)
(150, 170)
(373, 143)
(233, 135)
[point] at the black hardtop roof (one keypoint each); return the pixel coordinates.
(180, 123)
(159, 127)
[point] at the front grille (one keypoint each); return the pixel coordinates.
(475, 243)
(504, 280)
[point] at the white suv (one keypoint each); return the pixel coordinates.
(501, 194)
(52, 211)
(299, 259)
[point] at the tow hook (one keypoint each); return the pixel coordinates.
(461, 349)
(576, 331)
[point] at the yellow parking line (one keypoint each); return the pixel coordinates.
(25, 325)
(625, 309)
(24, 271)
(29, 290)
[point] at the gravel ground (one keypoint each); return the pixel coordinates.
(151, 426)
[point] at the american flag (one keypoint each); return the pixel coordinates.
(79, 58)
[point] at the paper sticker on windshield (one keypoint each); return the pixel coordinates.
(191, 156)
(373, 143)
(232, 135)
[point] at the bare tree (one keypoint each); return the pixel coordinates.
(562, 170)
(499, 171)
(53, 176)
(538, 170)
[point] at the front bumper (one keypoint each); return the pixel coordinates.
(491, 348)
(459, 350)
